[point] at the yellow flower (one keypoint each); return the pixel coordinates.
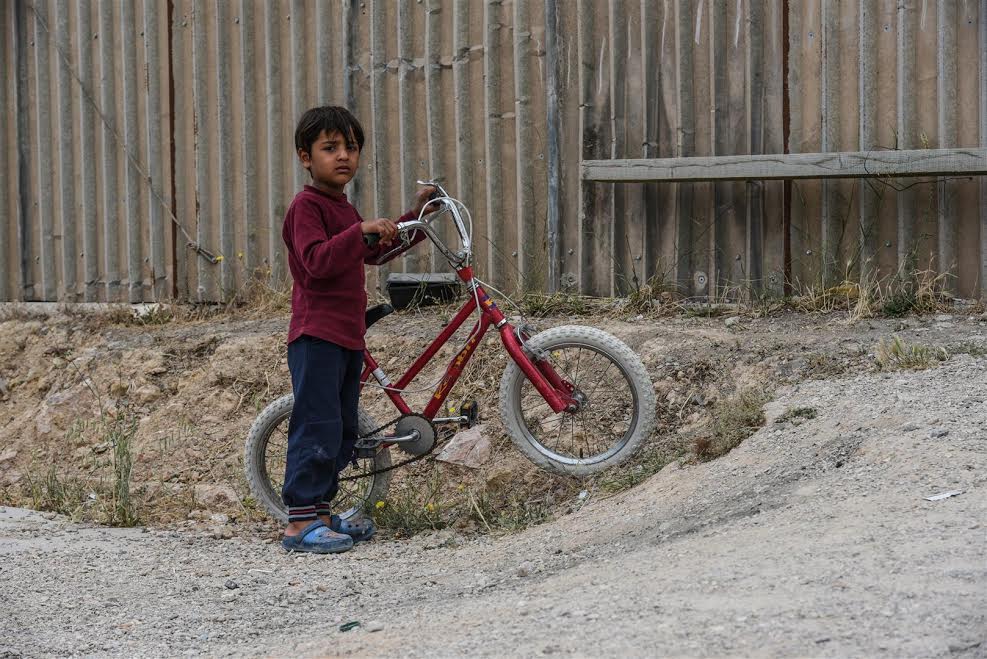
(379, 505)
(430, 507)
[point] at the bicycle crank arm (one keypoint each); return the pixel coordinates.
(411, 436)
(451, 419)
(374, 442)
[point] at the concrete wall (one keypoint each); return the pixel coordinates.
(137, 131)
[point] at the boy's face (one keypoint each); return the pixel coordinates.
(333, 161)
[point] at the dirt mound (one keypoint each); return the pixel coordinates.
(185, 392)
(816, 537)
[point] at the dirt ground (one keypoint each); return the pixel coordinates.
(811, 538)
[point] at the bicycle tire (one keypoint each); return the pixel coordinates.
(629, 368)
(269, 496)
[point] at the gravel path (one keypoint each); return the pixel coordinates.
(811, 539)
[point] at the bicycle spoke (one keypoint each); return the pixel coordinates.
(598, 380)
(575, 375)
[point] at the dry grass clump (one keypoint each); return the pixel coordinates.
(817, 298)
(734, 419)
(432, 501)
(261, 296)
(18, 311)
(655, 296)
(920, 292)
(898, 354)
(539, 305)
(101, 493)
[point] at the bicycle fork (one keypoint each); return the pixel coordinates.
(556, 391)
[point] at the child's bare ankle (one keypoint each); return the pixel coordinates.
(294, 528)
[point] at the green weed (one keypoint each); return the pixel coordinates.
(627, 476)
(794, 413)
(411, 508)
(735, 418)
(898, 354)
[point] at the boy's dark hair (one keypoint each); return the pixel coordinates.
(329, 118)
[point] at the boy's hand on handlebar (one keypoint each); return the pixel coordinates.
(422, 197)
(383, 227)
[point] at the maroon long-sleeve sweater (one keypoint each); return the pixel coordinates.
(326, 254)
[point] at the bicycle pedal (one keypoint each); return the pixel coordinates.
(470, 411)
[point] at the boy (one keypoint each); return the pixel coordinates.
(324, 235)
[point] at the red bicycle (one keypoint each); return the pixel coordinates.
(575, 400)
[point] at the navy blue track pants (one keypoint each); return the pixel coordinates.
(324, 423)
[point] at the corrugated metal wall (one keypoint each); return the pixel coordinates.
(136, 129)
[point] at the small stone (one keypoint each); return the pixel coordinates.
(525, 569)
(469, 448)
(910, 426)
(155, 367)
(216, 495)
(936, 433)
(228, 597)
(148, 393)
(232, 585)
(732, 321)
(852, 347)
(374, 626)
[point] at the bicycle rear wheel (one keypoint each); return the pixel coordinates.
(617, 403)
(266, 451)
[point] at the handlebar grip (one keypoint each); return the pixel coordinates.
(371, 239)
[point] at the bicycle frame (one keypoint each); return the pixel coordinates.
(556, 391)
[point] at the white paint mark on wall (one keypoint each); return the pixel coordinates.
(599, 68)
(699, 20)
(736, 27)
(921, 21)
(664, 19)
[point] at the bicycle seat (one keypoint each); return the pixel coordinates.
(375, 313)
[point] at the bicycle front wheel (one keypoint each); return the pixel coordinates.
(266, 452)
(616, 403)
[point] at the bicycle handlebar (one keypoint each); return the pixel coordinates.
(406, 229)
(371, 239)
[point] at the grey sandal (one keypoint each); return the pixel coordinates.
(318, 538)
(361, 528)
